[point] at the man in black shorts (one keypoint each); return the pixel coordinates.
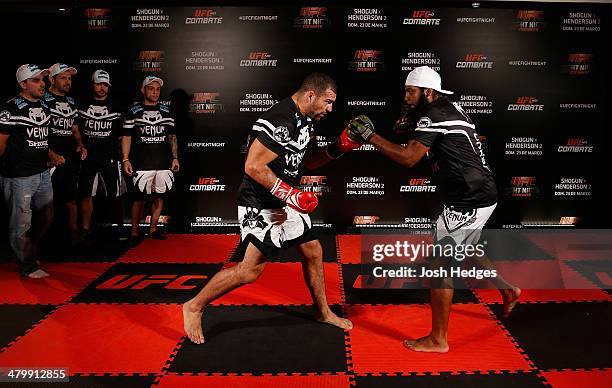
(150, 154)
(466, 182)
(99, 121)
(272, 213)
(65, 139)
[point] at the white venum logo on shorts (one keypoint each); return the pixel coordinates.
(5, 116)
(455, 219)
(154, 182)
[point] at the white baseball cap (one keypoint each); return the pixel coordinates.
(426, 77)
(28, 71)
(60, 68)
(101, 76)
(151, 78)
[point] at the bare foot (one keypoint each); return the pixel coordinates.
(38, 274)
(426, 344)
(510, 298)
(192, 323)
(335, 320)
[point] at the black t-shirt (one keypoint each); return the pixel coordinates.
(63, 113)
(149, 126)
(100, 123)
(287, 133)
(27, 147)
(465, 177)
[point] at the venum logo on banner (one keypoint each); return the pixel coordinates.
(312, 18)
(367, 61)
(422, 18)
(529, 20)
(418, 185)
(205, 103)
(149, 18)
(259, 59)
(574, 187)
(524, 146)
(366, 18)
(412, 60)
(578, 145)
(581, 22)
(257, 102)
(475, 61)
(579, 64)
(476, 104)
(207, 184)
(522, 187)
(365, 185)
(150, 61)
(96, 19)
(526, 104)
(316, 184)
(204, 60)
(204, 16)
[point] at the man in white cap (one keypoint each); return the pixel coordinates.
(65, 139)
(466, 182)
(150, 154)
(100, 120)
(24, 158)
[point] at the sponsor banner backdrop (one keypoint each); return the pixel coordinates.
(532, 80)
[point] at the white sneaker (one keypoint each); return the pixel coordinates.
(39, 273)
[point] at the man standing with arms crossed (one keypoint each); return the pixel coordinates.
(466, 181)
(65, 140)
(24, 175)
(273, 214)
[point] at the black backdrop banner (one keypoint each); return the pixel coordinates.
(532, 79)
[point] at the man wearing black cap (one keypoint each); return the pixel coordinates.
(100, 122)
(466, 181)
(150, 154)
(24, 177)
(65, 139)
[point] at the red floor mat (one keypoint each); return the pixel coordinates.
(493, 296)
(476, 341)
(573, 379)
(255, 381)
(349, 249)
(101, 339)
(66, 280)
(283, 284)
(184, 248)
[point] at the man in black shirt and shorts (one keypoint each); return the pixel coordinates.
(150, 154)
(272, 213)
(65, 139)
(24, 176)
(466, 181)
(100, 121)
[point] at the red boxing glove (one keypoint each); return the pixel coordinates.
(345, 143)
(298, 200)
